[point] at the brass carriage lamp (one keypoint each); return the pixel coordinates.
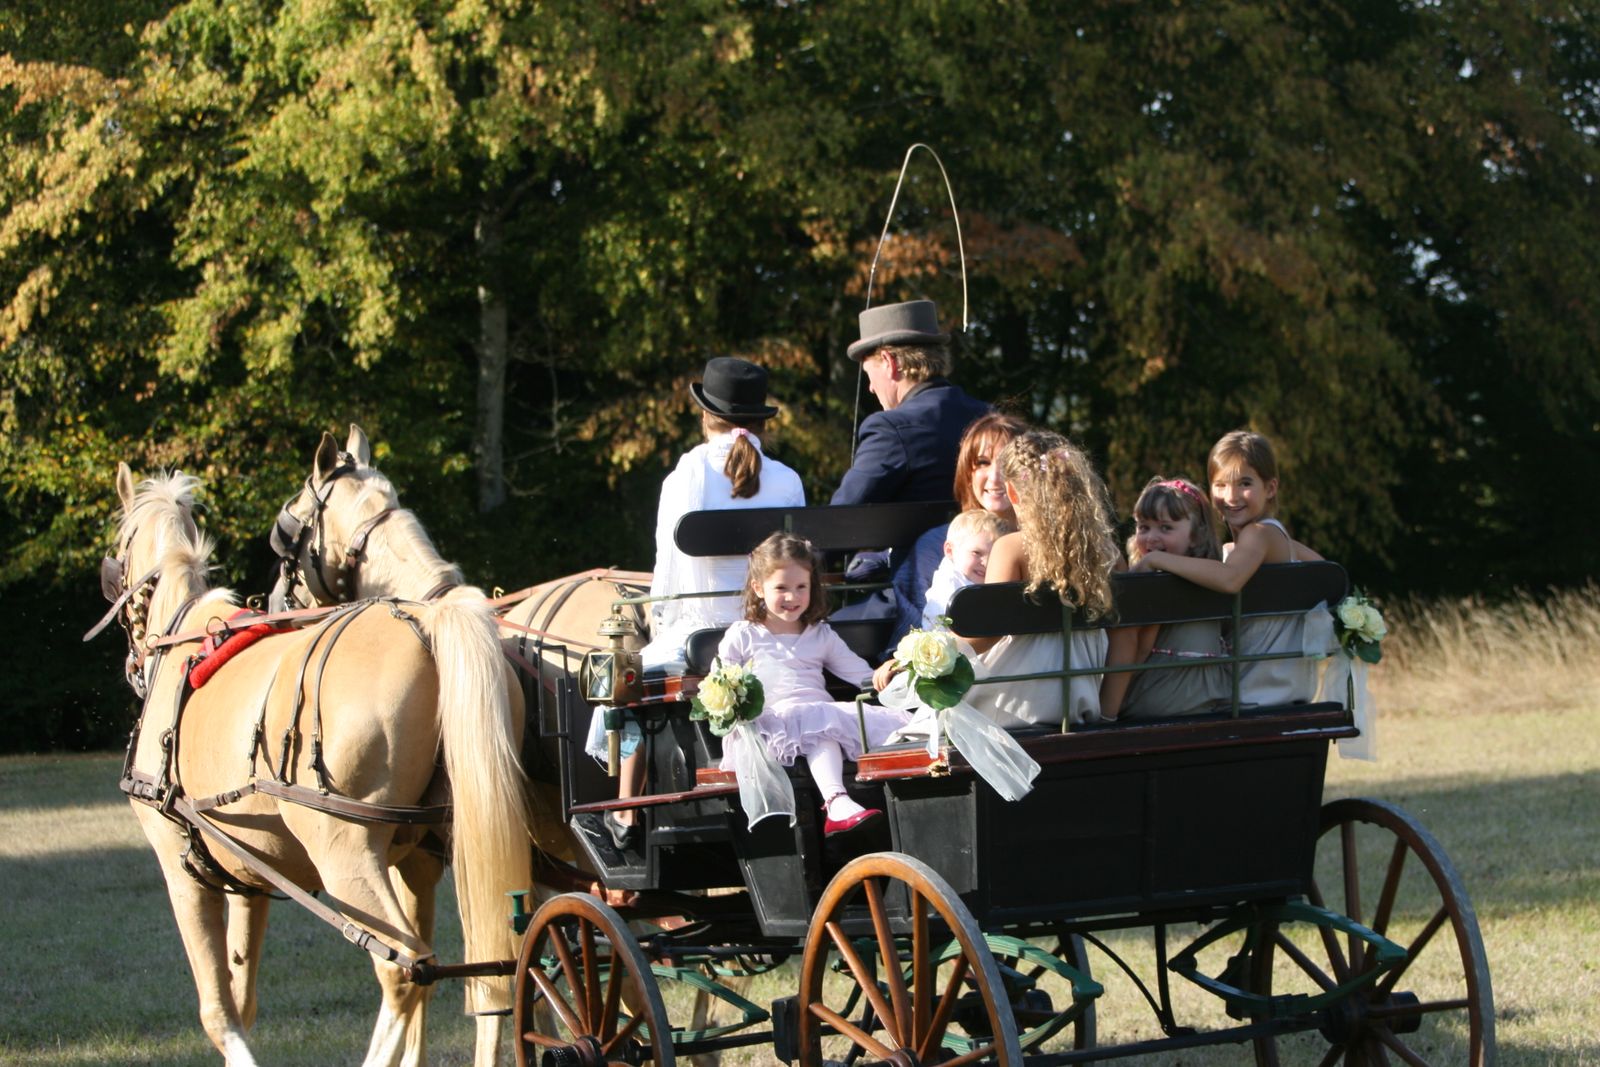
(612, 675)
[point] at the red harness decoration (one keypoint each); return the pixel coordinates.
(213, 655)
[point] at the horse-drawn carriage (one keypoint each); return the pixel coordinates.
(966, 928)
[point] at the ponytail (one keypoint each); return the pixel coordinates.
(743, 467)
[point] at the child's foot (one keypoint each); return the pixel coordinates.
(844, 814)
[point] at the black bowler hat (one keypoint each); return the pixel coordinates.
(915, 322)
(733, 389)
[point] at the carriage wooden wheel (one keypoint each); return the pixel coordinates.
(909, 995)
(585, 995)
(1379, 867)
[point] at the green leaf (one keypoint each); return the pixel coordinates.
(947, 692)
(1370, 651)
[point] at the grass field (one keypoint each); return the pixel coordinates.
(1490, 737)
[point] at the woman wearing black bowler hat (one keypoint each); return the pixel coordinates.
(728, 470)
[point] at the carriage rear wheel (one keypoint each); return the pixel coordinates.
(1378, 866)
(585, 994)
(899, 995)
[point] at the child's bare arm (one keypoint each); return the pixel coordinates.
(1252, 547)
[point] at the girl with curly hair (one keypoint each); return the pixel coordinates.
(1065, 541)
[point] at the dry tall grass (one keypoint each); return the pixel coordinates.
(1535, 652)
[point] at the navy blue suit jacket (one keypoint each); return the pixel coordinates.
(909, 452)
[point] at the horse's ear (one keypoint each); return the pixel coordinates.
(125, 486)
(327, 458)
(358, 447)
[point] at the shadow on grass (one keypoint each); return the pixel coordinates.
(1520, 844)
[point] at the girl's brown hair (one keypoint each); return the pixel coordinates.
(1175, 499)
(743, 467)
(1064, 510)
(992, 432)
(1240, 447)
(776, 551)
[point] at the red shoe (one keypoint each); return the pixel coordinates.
(831, 826)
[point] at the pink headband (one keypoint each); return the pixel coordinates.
(1183, 487)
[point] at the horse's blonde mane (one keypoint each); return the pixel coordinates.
(407, 551)
(163, 510)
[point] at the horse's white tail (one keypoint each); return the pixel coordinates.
(491, 839)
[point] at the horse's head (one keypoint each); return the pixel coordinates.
(160, 561)
(321, 533)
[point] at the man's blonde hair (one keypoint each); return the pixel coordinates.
(918, 363)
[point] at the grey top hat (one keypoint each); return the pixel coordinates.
(915, 322)
(733, 389)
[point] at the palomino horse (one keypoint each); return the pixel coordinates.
(344, 537)
(309, 762)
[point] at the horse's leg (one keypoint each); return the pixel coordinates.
(486, 1052)
(415, 879)
(353, 862)
(247, 928)
(198, 910)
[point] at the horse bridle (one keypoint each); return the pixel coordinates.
(291, 536)
(135, 598)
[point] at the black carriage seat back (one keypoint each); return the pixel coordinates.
(1148, 599)
(735, 532)
(1151, 599)
(829, 529)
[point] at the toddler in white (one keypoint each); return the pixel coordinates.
(966, 558)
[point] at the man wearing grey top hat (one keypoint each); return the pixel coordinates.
(908, 450)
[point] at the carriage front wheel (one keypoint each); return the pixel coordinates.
(914, 981)
(1378, 866)
(585, 994)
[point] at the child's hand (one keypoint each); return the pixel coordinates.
(881, 676)
(1152, 561)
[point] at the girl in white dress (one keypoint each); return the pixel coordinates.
(1244, 487)
(1171, 515)
(784, 639)
(1064, 538)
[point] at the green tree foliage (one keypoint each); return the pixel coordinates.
(503, 235)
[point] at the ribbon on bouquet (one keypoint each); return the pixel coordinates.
(764, 787)
(992, 752)
(1344, 682)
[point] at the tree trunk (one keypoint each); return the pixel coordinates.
(488, 448)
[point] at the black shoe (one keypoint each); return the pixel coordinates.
(623, 835)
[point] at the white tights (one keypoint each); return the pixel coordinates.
(826, 760)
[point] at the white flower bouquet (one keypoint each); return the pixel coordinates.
(1360, 628)
(940, 673)
(937, 676)
(728, 695)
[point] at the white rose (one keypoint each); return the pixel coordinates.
(1372, 625)
(1352, 615)
(932, 654)
(715, 695)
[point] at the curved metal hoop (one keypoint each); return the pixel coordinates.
(954, 214)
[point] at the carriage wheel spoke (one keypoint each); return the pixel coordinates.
(1413, 950)
(544, 1040)
(889, 953)
(1330, 943)
(846, 1028)
(921, 970)
(569, 967)
(1399, 1047)
(622, 1035)
(969, 1057)
(866, 983)
(1391, 887)
(557, 1001)
(941, 1015)
(591, 975)
(608, 1013)
(1352, 890)
(1307, 965)
(1333, 1056)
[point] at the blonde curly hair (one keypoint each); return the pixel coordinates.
(1064, 511)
